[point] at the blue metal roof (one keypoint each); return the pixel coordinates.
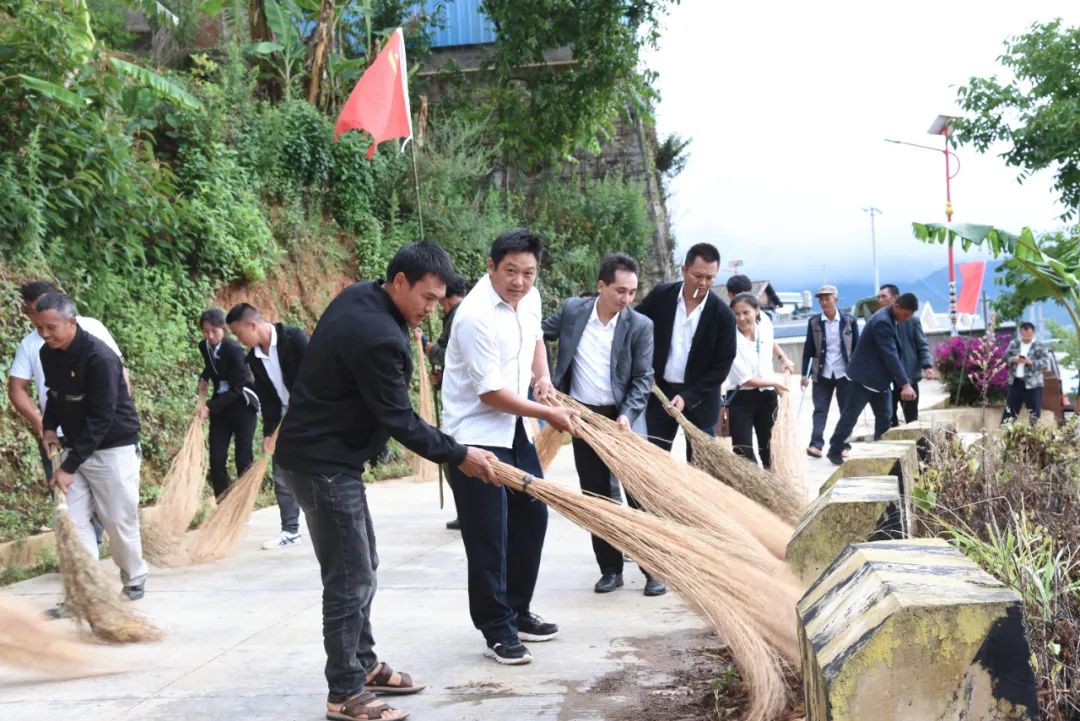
(466, 24)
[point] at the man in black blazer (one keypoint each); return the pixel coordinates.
(695, 345)
(275, 356)
(605, 361)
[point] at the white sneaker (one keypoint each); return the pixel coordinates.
(282, 540)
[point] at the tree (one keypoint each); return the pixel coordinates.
(1035, 112)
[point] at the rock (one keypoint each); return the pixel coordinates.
(883, 458)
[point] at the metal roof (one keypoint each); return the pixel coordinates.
(466, 24)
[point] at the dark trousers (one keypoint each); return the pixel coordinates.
(287, 506)
(822, 395)
(911, 408)
(344, 541)
(236, 420)
(503, 532)
(662, 427)
(595, 477)
(858, 397)
(1020, 396)
(752, 412)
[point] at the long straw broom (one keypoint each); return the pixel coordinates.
(752, 609)
(711, 456)
(548, 443)
(788, 460)
(90, 594)
(676, 491)
(28, 641)
(422, 468)
(179, 499)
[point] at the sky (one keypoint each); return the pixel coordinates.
(788, 105)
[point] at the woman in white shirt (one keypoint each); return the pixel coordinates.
(752, 402)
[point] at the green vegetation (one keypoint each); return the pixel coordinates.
(154, 176)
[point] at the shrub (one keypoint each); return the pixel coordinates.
(973, 369)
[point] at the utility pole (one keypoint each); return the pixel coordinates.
(873, 244)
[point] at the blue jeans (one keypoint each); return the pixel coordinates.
(344, 541)
(858, 397)
(503, 532)
(822, 395)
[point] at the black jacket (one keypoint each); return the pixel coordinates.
(89, 398)
(291, 345)
(352, 393)
(229, 366)
(711, 352)
(878, 359)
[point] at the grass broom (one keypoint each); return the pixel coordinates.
(91, 595)
(28, 641)
(752, 609)
(422, 468)
(676, 491)
(713, 457)
(788, 458)
(548, 444)
(179, 499)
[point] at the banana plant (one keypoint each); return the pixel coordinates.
(285, 53)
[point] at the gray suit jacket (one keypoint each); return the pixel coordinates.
(631, 353)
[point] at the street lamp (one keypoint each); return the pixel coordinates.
(942, 126)
(873, 244)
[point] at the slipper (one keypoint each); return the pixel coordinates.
(380, 682)
(360, 707)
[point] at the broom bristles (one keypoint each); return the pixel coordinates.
(28, 641)
(91, 595)
(753, 611)
(179, 499)
(788, 460)
(712, 456)
(422, 468)
(676, 491)
(549, 441)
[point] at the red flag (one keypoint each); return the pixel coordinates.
(379, 103)
(971, 280)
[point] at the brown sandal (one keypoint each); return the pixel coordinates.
(380, 682)
(360, 707)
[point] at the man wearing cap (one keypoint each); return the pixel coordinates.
(830, 340)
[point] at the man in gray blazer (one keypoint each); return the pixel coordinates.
(605, 361)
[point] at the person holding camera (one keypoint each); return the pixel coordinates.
(1026, 359)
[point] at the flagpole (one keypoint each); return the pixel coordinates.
(416, 184)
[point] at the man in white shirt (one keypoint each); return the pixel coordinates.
(496, 351)
(605, 362)
(831, 337)
(26, 367)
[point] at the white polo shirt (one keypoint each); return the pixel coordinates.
(272, 364)
(590, 382)
(753, 358)
(491, 347)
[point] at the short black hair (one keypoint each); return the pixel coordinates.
(1028, 325)
(615, 262)
(705, 251)
(60, 302)
(242, 312)
(420, 258)
(907, 301)
(747, 298)
(893, 290)
(214, 316)
(456, 286)
(518, 240)
(739, 284)
(35, 289)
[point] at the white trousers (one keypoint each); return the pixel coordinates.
(107, 483)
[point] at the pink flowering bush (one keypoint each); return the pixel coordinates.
(973, 369)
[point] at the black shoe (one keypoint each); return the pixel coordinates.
(60, 610)
(454, 525)
(836, 459)
(134, 593)
(533, 628)
(653, 587)
(608, 583)
(510, 652)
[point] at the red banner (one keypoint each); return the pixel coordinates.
(971, 281)
(379, 103)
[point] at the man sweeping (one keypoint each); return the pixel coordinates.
(99, 470)
(605, 362)
(496, 352)
(351, 395)
(274, 356)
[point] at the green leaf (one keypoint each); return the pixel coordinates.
(53, 91)
(160, 85)
(279, 22)
(263, 48)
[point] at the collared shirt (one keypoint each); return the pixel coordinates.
(491, 347)
(272, 364)
(834, 359)
(27, 364)
(682, 336)
(590, 381)
(1025, 349)
(753, 356)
